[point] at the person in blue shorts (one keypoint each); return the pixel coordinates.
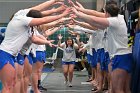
(118, 40)
(16, 36)
(69, 58)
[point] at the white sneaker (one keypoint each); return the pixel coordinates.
(84, 69)
(66, 82)
(70, 84)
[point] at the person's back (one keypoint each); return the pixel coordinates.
(118, 38)
(16, 34)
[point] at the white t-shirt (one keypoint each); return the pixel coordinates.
(17, 33)
(40, 47)
(31, 47)
(105, 40)
(69, 53)
(99, 38)
(94, 41)
(88, 46)
(93, 38)
(117, 36)
(26, 48)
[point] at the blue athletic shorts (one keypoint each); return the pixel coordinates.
(123, 62)
(100, 55)
(93, 58)
(105, 62)
(40, 56)
(15, 59)
(30, 58)
(68, 63)
(6, 58)
(20, 59)
(89, 58)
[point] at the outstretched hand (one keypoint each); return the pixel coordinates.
(67, 11)
(62, 7)
(60, 36)
(50, 42)
(79, 5)
(78, 37)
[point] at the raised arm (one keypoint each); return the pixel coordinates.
(40, 41)
(98, 22)
(85, 25)
(78, 40)
(88, 11)
(52, 31)
(43, 6)
(73, 33)
(53, 10)
(59, 41)
(56, 23)
(50, 25)
(47, 19)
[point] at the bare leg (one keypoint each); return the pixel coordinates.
(109, 78)
(83, 63)
(40, 73)
(127, 84)
(65, 72)
(19, 87)
(100, 78)
(7, 76)
(94, 77)
(118, 80)
(36, 69)
(105, 80)
(27, 73)
(71, 69)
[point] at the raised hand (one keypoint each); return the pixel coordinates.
(60, 37)
(50, 42)
(74, 11)
(67, 11)
(73, 16)
(71, 27)
(79, 5)
(78, 37)
(62, 7)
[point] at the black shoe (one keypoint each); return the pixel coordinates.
(42, 88)
(89, 80)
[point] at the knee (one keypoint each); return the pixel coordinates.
(70, 72)
(65, 73)
(19, 76)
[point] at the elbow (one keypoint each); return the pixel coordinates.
(35, 40)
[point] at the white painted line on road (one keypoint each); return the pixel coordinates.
(85, 83)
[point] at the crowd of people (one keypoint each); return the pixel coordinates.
(23, 51)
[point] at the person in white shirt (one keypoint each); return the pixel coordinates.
(93, 45)
(121, 54)
(69, 58)
(25, 61)
(40, 57)
(15, 37)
